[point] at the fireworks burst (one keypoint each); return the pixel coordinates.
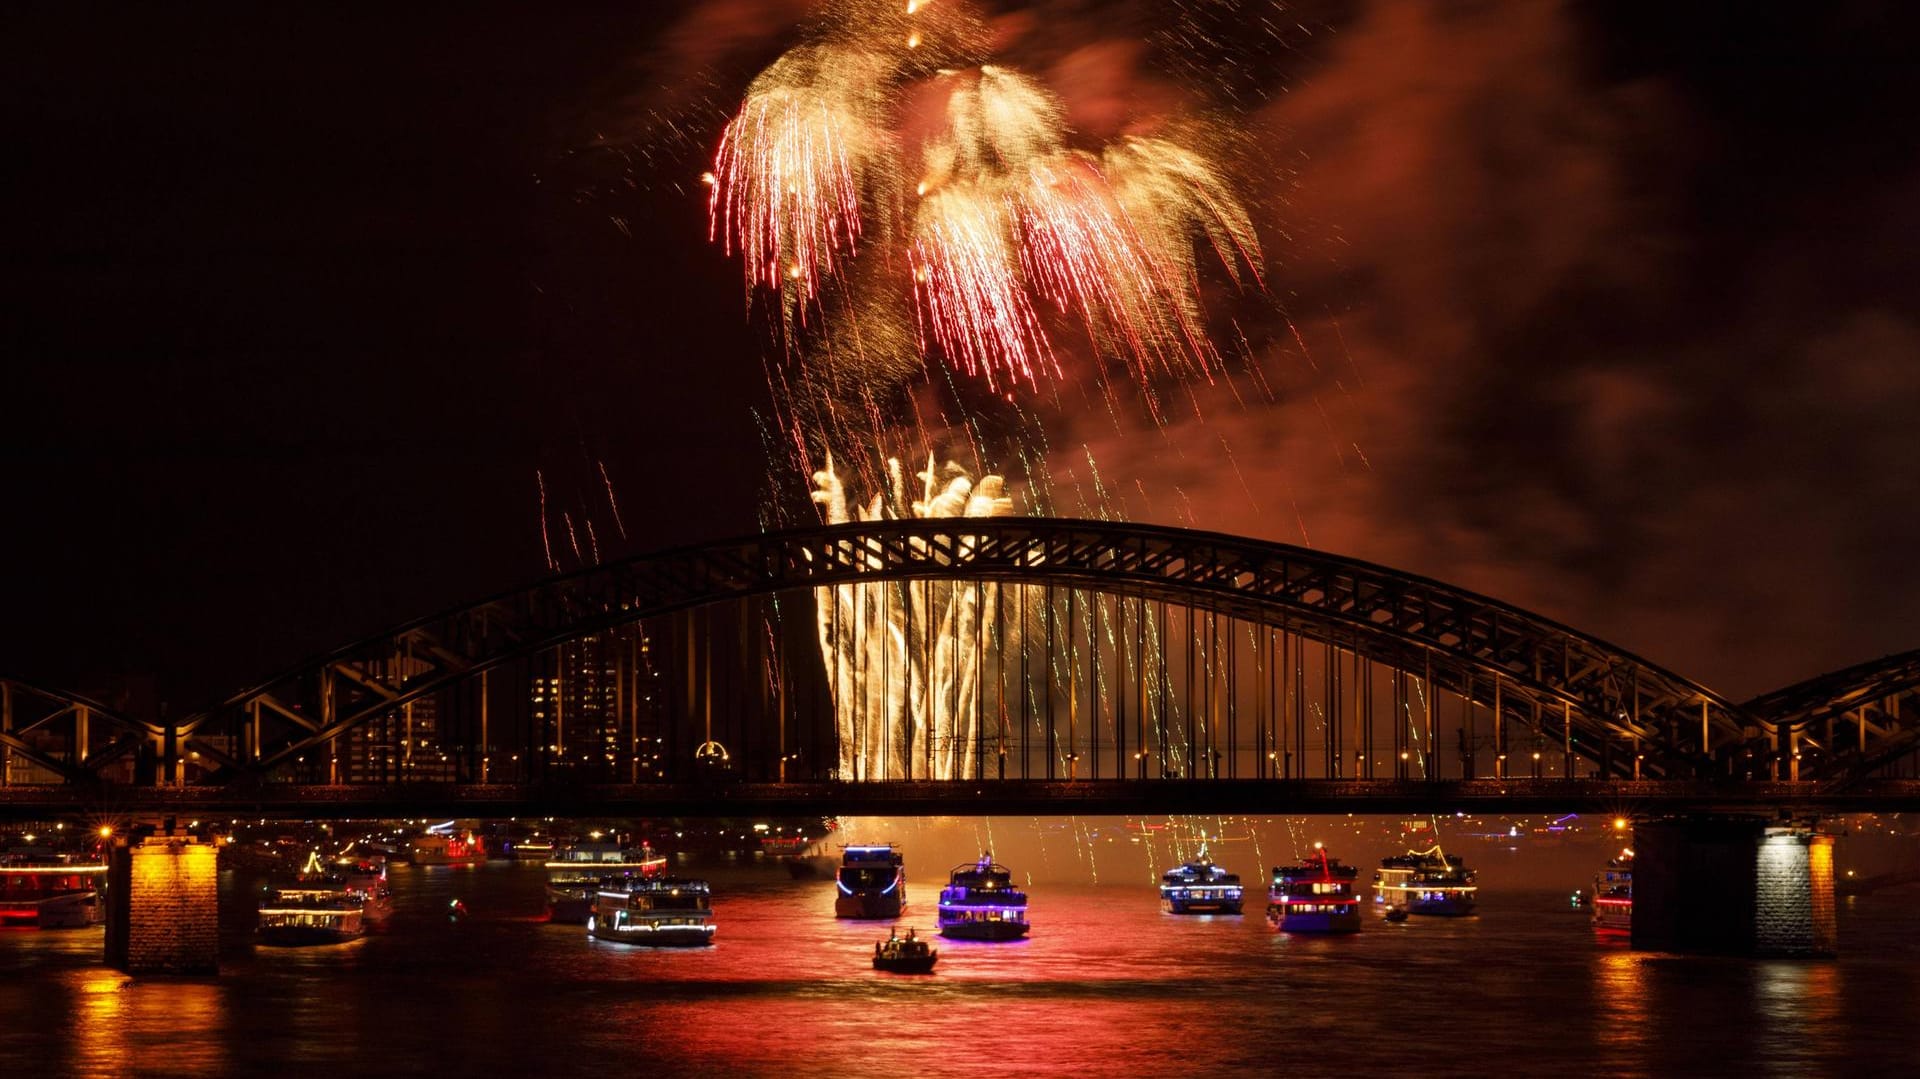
(1173, 194)
(1004, 217)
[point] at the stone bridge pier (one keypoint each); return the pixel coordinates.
(163, 911)
(1733, 886)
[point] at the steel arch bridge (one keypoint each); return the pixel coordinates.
(1860, 719)
(1113, 665)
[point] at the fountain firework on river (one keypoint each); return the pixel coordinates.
(908, 651)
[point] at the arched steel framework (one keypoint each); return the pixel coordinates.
(1849, 723)
(1580, 695)
(47, 733)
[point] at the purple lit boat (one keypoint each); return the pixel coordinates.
(981, 903)
(1200, 887)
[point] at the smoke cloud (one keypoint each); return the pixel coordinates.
(1527, 365)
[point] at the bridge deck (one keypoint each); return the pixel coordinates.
(911, 798)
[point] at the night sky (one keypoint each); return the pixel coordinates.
(1609, 310)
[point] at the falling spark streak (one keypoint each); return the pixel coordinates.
(546, 542)
(572, 536)
(612, 502)
(1304, 350)
(1241, 476)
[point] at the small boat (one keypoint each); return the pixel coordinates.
(50, 891)
(657, 912)
(1314, 897)
(293, 917)
(871, 883)
(904, 955)
(981, 903)
(1613, 897)
(1429, 881)
(1200, 887)
(531, 849)
(577, 874)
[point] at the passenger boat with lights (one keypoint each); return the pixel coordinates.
(577, 874)
(1430, 881)
(1315, 896)
(437, 849)
(870, 883)
(1613, 897)
(50, 891)
(655, 912)
(904, 955)
(364, 878)
(1200, 887)
(297, 916)
(981, 903)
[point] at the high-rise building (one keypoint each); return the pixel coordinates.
(594, 704)
(404, 745)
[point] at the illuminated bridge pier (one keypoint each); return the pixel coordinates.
(1733, 886)
(163, 910)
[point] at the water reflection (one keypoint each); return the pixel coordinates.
(1107, 985)
(123, 1026)
(1621, 1017)
(1797, 1004)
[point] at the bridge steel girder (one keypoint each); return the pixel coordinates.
(1859, 718)
(1474, 646)
(1628, 798)
(74, 722)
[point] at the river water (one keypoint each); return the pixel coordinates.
(1107, 985)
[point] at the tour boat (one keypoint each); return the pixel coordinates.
(578, 873)
(363, 878)
(50, 891)
(785, 846)
(1613, 897)
(1314, 897)
(981, 903)
(656, 912)
(436, 849)
(871, 883)
(291, 917)
(904, 955)
(1425, 882)
(1200, 887)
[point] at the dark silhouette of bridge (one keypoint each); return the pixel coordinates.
(972, 666)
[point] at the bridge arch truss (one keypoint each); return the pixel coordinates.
(1144, 653)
